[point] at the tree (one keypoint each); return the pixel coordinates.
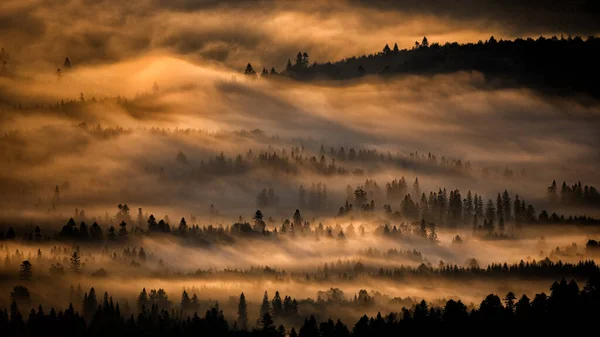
(360, 196)
(20, 294)
(185, 301)
(75, 262)
(142, 300)
(26, 270)
(297, 218)
(152, 225)
(490, 214)
(182, 229)
(90, 303)
(181, 158)
(265, 307)
(491, 307)
(277, 305)
(509, 303)
(10, 234)
(266, 322)
(455, 311)
(123, 229)
(264, 73)
(416, 188)
(506, 205)
(386, 50)
(259, 223)
(396, 50)
(499, 207)
(249, 72)
(305, 61)
(433, 238)
(299, 64)
(242, 313)
(288, 66)
(424, 43)
(523, 308)
(67, 64)
(112, 233)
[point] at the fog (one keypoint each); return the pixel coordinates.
(156, 113)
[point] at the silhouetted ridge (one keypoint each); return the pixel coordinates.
(566, 65)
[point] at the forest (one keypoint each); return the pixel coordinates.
(282, 168)
(520, 62)
(566, 302)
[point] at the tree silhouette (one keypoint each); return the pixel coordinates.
(242, 313)
(75, 262)
(26, 271)
(265, 307)
(249, 71)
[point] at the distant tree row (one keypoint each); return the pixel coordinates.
(575, 195)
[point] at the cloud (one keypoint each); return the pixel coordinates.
(265, 33)
(515, 18)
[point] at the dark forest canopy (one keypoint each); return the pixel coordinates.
(563, 64)
(566, 304)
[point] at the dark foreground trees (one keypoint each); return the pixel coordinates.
(566, 305)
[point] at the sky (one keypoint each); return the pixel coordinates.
(267, 33)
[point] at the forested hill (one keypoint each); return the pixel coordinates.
(562, 65)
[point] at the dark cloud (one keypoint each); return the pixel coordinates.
(267, 33)
(22, 22)
(515, 17)
(192, 5)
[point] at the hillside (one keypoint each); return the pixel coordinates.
(558, 65)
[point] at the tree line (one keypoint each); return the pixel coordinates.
(530, 62)
(566, 304)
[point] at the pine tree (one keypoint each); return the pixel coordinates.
(490, 212)
(75, 262)
(506, 205)
(249, 71)
(499, 207)
(26, 271)
(185, 301)
(305, 61)
(183, 228)
(386, 50)
(265, 307)
(277, 305)
(469, 207)
(242, 313)
(299, 61)
(152, 225)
